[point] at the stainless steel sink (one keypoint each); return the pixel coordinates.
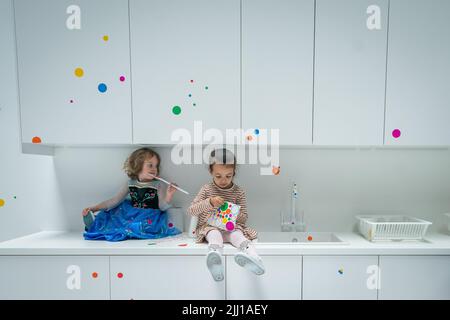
(299, 238)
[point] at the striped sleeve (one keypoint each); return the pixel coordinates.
(200, 205)
(242, 201)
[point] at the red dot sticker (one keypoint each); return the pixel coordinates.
(396, 133)
(120, 275)
(36, 140)
(310, 238)
(122, 78)
(170, 225)
(182, 245)
(149, 221)
(94, 275)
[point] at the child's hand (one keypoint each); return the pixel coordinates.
(86, 210)
(216, 201)
(170, 192)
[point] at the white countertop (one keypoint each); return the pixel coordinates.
(72, 243)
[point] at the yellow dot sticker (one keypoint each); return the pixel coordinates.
(105, 37)
(2, 202)
(79, 72)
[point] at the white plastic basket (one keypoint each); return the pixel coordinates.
(393, 227)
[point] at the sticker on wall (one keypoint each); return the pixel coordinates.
(182, 245)
(36, 140)
(122, 78)
(176, 110)
(396, 133)
(71, 101)
(2, 202)
(276, 170)
(105, 38)
(102, 87)
(79, 72)
(341, 271)
(225, 216)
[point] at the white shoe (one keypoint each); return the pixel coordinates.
(215, 265)
(249, 262)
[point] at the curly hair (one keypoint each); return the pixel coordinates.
(135, 162)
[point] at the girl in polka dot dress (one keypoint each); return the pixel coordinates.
(138, 210)
(212, 196)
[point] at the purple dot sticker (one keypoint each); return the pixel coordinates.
(122, 78)
(170, 225)
(396, 133)
(229, 226)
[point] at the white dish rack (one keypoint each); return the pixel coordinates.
(393, 227)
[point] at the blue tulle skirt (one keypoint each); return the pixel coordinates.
(127, 222)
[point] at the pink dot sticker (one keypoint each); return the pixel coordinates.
(170, 225)
(122, 78)
(229, 226)
(396, 133)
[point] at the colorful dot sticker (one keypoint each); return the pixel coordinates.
(105, 38)
(194, 104)
(122, 78)
(396, 133)
(229, 226)
(190, 95)
(102, 87)
(94, 275)
(182, 245)
(71, 101)
(249, 138)
(310, 238)
(257, 131)
(149, 221)
(276, 170)
(170, 225)
(206, 88)
(176, 110)
(79, 72)
(341, 271)
(191, 81)
(120, 275)
(36, 140)
(2, 202)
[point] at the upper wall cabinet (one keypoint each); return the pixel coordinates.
(349, 78)
(74, 71)
(418, 78)
(277, 68)
(185, 67)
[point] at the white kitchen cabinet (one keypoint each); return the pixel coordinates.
(186, 67)
(349, 72)
(414, 277)
(163, 277)
(418, 95)
(277, 68)
(340, 277)
(282, 280)
(54, 277)
(74, 83)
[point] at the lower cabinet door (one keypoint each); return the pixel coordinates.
(282, 279)
(163, 277)
(340, 277)
(54, 277)
(415, 277)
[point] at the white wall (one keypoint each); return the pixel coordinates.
(335, 184)
(29, 178)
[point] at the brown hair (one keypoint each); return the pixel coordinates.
(134, 163)
(222, 156)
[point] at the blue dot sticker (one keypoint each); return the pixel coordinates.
(257, 131)
(102, 87)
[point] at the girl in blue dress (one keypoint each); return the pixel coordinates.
(138, 210)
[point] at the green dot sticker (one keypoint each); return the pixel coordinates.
(176, 110)
(224, 206)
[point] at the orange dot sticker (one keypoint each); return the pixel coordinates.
(310, 238)
(94, 275)
(2, 202)
(276, 170)
(36, 140)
